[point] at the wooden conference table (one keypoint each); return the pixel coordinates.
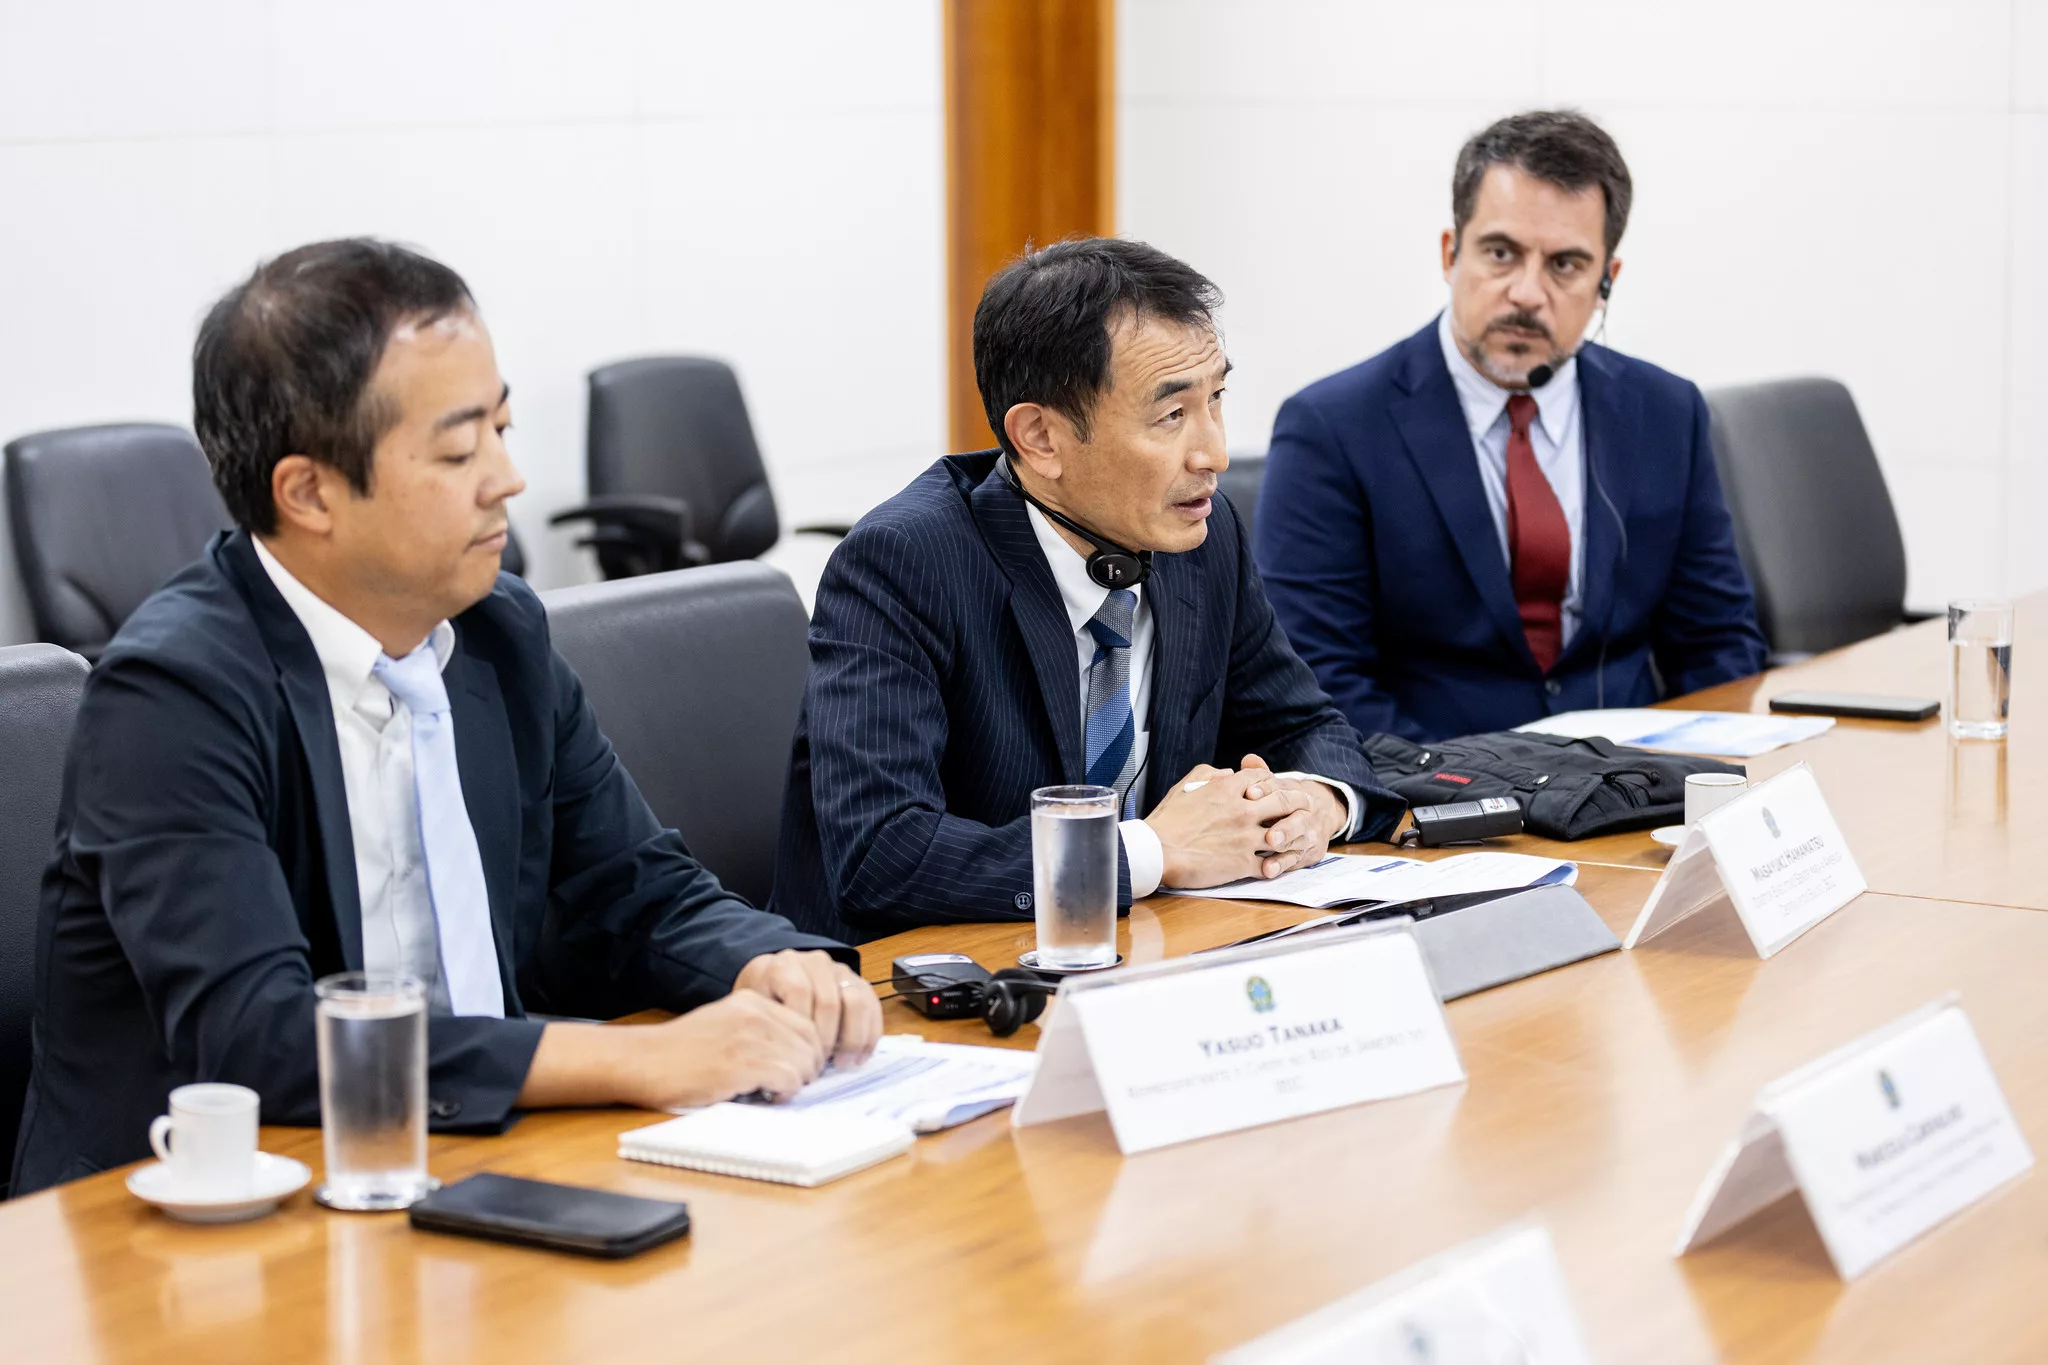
(1598, 1098)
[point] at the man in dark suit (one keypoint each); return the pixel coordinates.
(1493, 522)
(341, 741)
(1076, 606)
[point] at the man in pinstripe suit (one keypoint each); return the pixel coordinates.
(1075, 606)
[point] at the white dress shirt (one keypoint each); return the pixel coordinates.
(373, 730)
(1559, 442)
(1083, 597)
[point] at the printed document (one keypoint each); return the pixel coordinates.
(1356, 879)
(926, 1086)
(1719, 734)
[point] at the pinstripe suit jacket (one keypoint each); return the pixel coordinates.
(943, 690)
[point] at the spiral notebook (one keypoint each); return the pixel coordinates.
(761, 1142)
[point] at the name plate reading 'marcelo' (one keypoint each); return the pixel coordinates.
(1198, 1046)
(1499, 1298)
(1883, 1138)
(1775, 852)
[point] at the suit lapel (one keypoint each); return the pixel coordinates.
(1176, 672)
(1611, 426)
(1432, 426)
(312, 710)
(490, 783)
(1040, 615)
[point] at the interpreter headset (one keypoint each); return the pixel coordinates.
(1110, 565)
(1007, 1001)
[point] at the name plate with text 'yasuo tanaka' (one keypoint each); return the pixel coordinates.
(1197, 1046)
(1882, 1138)
(1775, 852)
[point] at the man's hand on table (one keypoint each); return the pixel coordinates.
(789, 1012)
(842, 1007)
(1214, 823)
(1305, 835)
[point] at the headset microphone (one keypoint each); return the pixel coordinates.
(1111, 565)
(1543, 374)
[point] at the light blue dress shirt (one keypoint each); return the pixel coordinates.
(1558, 438)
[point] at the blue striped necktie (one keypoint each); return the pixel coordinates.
(455, 865)
(1112, 735)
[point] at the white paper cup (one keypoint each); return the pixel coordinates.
(1708, 791)
(208, 1140)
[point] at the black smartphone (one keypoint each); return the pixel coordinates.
(538, 1213)
(1858, 705)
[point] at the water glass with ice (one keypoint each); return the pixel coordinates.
(373, 1090)
(1073, 872)
(1980, 668)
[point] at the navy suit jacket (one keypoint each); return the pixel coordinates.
(1385, 567)
(205, 874)
(945, 687)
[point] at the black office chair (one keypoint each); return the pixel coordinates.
(1241, 483)
(676, 479)
(1814, 522)
(39, 690)
(697, 677)
(101, 517)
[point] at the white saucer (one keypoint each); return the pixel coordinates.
(1671, 836)
(1030, 960)
(275, 1179)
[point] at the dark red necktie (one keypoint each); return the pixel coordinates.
(1539, 542)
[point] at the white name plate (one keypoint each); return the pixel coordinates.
(1500, 1298)
(1774, 852)
(1883, 1138)
(1197, 1046)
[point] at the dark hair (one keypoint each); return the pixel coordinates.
(283, 363)
(1041, 332)
(1561, 146)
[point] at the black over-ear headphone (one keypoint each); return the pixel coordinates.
(1013, 998)
(1110, 566)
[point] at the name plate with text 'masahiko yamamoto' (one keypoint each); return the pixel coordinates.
(1775, 853)
(1198, 1046)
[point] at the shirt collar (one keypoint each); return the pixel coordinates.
(1484, 401)
(347, 652)
(1082, 595)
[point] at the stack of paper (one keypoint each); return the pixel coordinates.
(924, 1086)
(844, 1120)
(1353, 879)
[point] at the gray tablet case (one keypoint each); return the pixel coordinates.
(1496, 942)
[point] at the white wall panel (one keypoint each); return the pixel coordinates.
(404, 63)
(131, 68)
(1841, 187)
(614, 178)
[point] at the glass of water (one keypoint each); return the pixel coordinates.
(373, 1090)
(1073, 873)
(1979, 668)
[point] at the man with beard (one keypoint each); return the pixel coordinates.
(1496, 520)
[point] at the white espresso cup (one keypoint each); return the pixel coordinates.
(1709, 791)
(208, 1140)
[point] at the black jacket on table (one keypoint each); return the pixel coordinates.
(944, 688)
(205, 873)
